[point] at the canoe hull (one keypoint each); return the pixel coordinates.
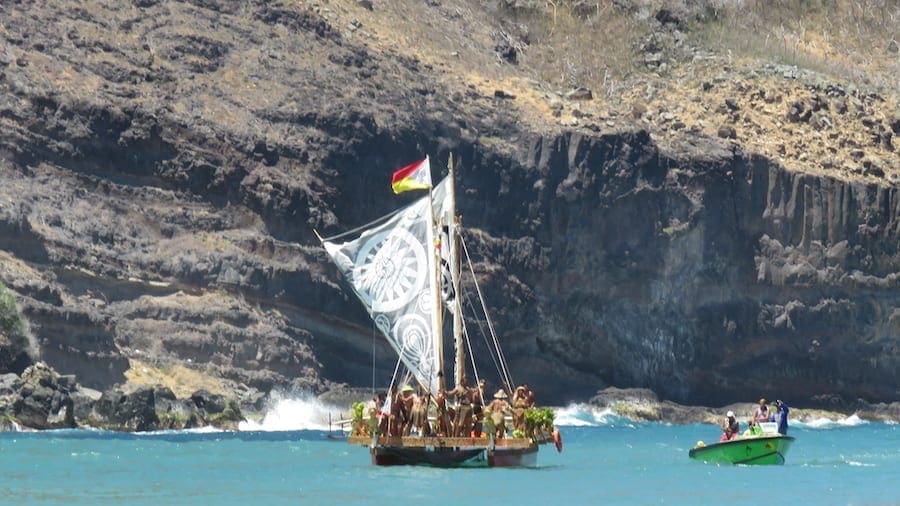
(452, 451)
(760, 450)
(450, 458)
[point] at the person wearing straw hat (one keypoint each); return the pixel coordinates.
(497, 411)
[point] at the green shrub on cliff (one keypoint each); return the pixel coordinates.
(11, 324)
(8, 422)
(16, 349)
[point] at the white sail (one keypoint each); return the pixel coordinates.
(390, 267)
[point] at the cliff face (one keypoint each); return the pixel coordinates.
(709, 274)
(164, 164)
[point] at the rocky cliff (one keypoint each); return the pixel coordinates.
(164, 165)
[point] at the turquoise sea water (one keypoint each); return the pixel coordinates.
(605, 461)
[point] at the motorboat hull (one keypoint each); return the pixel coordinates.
(754, 450)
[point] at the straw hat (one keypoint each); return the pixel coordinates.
(500, 394)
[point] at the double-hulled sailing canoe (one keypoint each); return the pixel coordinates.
(405, 269)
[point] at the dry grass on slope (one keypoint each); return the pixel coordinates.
(459, 42)
(721, 68)
(857, 40)
(811, 83)
(180, 379)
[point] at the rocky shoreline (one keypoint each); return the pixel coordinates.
(42, 399)
(641, 404)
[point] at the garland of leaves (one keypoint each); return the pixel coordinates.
(539, 419)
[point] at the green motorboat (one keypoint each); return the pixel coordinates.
(763, 449)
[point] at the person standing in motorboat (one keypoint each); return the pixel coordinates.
(782, 416)
(762, 412)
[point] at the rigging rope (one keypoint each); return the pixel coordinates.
(469, 344)
(487, 344)
(504, 370)
(371, 224)
(374, 330)
(393, 377)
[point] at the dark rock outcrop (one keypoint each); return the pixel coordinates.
(217, 409)
(39, 399)
(157, 408)
(135, 411)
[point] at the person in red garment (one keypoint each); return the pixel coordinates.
(730, 427)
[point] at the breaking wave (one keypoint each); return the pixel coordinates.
(297, 414)
(585, 415)
(827, 423)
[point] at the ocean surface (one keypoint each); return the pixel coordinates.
(289, 458)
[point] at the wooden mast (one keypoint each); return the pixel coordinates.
(453, 249)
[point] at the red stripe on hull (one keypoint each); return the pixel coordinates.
(513, 458)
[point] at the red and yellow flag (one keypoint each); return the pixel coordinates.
(415, 176)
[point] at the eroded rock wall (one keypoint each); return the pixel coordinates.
(700, 271)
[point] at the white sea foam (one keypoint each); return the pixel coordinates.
(306, 413)
(209, 429)
(827, 423)
(585, 415)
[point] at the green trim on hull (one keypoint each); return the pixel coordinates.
(760, 450)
